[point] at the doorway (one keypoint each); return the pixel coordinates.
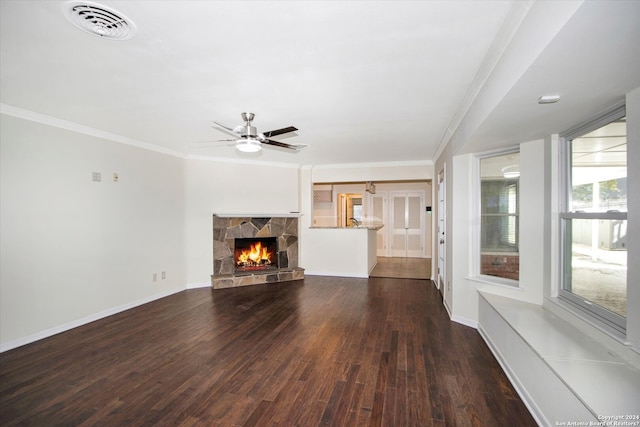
(407, 219)
(349, 209)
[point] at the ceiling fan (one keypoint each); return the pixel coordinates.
(248, 140)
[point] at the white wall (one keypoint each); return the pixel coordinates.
(230, 188)
(535, 220)
(400, 171)
(534, 233)
(72, 249)
(344, 252)
(462, 292)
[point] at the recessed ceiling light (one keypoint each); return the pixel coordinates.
(548, 99)
(99, 20)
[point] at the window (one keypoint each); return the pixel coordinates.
(499, 198)
(594, 219)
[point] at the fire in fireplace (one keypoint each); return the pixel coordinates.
(256, 254)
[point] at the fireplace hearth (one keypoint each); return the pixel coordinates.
(237, 261)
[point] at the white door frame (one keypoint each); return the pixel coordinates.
(442, 223)
(382, 244)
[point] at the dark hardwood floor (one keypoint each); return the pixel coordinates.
(323, 351)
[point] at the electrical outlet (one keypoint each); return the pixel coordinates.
(155, 277)
(96, 176)
(164, 275)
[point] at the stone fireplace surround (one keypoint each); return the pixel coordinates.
(226, 228)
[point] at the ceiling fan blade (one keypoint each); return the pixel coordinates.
(225, 129)
(295, 147)
(223, 126)
(215, 140)
(214, 143)
(271, 133)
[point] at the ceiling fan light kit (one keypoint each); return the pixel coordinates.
(248, 145)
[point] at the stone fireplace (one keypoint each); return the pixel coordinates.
(252, 250)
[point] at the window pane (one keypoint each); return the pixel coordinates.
(499, 233)
(414, 212)
(499, 215)
(595, 249)
(399, 220)
(357, 212)
(499, 221)
(596, 265)
(599, 169)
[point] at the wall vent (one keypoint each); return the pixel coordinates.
(99, 20)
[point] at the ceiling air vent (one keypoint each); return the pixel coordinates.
(99, 20)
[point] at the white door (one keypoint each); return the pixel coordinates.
(442, 214)
(378, 209)
(407, 220)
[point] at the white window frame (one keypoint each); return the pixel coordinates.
(599, 315)
(477, 226)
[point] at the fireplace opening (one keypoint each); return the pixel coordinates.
(256, 254)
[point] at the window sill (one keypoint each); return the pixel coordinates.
(594, 328)
(496, 281)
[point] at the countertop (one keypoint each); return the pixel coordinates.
(360, 227)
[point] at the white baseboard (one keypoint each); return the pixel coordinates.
(446, 307)
(83, 321)
(198, 285)
(330, 274)
(464, 321)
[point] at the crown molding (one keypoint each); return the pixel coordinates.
(371, 165)
(21, 113)
(242, 161)
(512, 21)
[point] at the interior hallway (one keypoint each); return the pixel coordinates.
(402, 268)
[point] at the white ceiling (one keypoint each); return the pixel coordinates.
(363, 81)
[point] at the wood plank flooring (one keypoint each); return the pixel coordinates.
(402, 268)
(322, 351)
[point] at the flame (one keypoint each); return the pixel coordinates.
(256, 255)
